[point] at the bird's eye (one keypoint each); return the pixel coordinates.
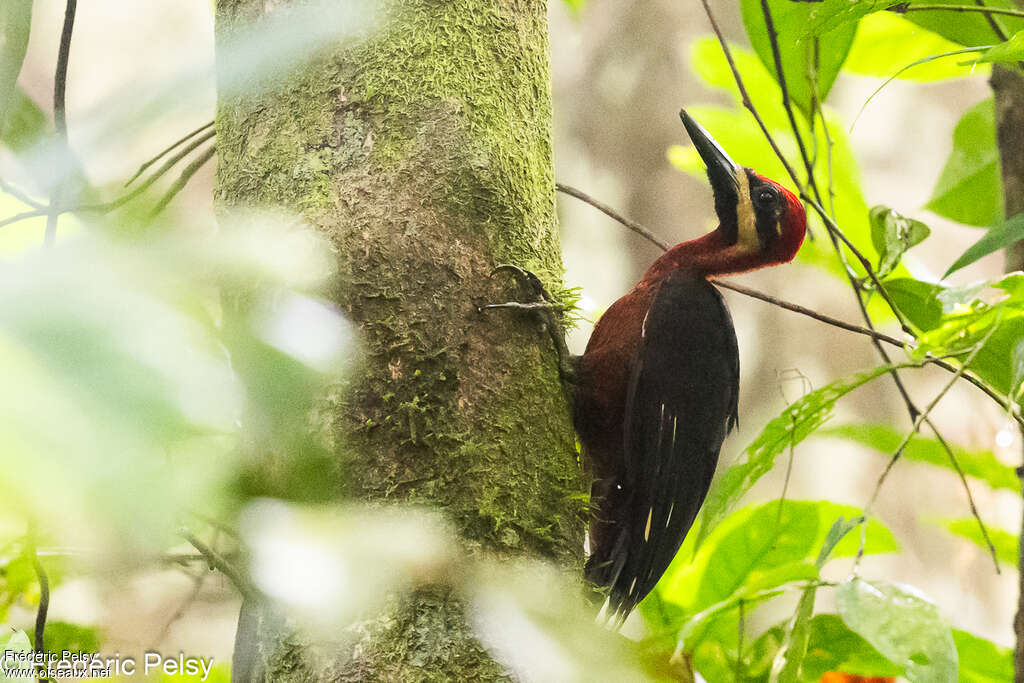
(766, 197)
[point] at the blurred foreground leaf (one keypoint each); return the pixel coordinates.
(325, 566)
(533, 621)
(131, 404)
(903, 626)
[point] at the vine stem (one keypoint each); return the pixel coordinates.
(60, 121)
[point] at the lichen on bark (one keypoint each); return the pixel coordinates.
(423, 153)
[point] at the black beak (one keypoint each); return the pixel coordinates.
(722, 171)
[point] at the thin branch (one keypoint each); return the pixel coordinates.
(60, 121)
(924, 414)
(610, 212)
(810, 313)
(773, 39)
(904, 8)
(44, 602)
(21, 196)
(746, 291)
(167, 150)
(220, 563)
(107, 207)
(186, 175)
(970, 498)
(924, 60)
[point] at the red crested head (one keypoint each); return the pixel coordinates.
(760, 223)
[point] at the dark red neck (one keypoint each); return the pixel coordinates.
(708, 255)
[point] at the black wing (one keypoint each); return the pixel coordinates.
(681, 403)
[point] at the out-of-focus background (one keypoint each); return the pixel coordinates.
(621, 72)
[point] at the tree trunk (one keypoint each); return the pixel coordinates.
(424, 154)
(1008, 86)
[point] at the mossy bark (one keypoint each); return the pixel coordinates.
(423, 153)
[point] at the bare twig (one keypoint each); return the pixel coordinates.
(903, 8)
(773, 38)
(921, 418)
(744, 95)
(608, 211)
(220, 563)
(107, 207)
(746, 291)
(22, 197)
(60, 121)
(970, 498)
(186, 175)
(167, 150)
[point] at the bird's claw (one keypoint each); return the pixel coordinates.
(523, 277)
(538, 301)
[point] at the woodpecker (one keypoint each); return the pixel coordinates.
(656, 391)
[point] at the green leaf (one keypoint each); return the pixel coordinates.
(966, 28)
(972, 312)
(830, 14)
(796, 423)
(14, 641)
(902, 625)
(918, 301)
(1010, 51)
(969, 189)
(884, 440)
(892, 234)
(996, 238)
(15, 22)
(887, 41)
(982, 661)
(761, 547)
(1005, 543)
(809, 71)
(834, 647)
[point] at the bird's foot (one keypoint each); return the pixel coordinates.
(538, 302)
